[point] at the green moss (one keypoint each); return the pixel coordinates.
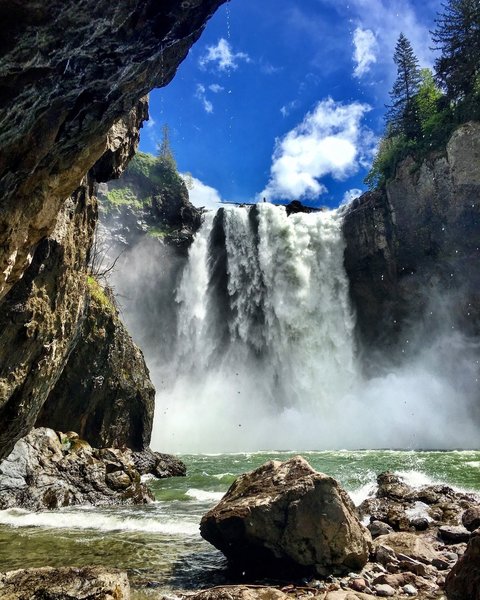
(159, 232)
(99, 295)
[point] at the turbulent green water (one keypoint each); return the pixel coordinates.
(159, 544)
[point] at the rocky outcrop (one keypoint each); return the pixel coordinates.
(463, 581)
(289, 518)
(417, 240)
(104, 393)
(50, 470)
(158, 464)
(72, 76)
(86, 583)
(68, 72)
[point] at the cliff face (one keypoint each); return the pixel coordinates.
(72, 76)
(418, 241)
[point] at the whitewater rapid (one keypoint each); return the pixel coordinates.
(262, 351)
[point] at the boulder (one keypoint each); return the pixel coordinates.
(392, 486)
(378, 528)
(48, 470)
(86, 583)
(288, 518)
(463, 581)
(471, 518)
(453, 534)
(408, 545)
(158, 464)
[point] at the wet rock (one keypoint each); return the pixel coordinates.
(295, 206)
(287, 517)
(471, 518)
(48, 470)
(384, 554)
(440, 564)
(86, 583)
(453, 534)
(377, 528)
(407, 545)
(395, 580)
(463, 581)
(158, 464)
(392, 486)
(420, 523)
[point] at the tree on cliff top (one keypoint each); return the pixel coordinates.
(401, 115)
(457, 35)
(165, 153)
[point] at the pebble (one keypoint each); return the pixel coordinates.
(384, 590)
(410, 590)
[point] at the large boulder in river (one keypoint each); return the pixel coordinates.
(288, 518)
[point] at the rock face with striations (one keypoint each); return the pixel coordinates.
(72, 77)
(287, 518)
(104, 393)
(418, 240)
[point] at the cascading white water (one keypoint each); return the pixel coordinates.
(265, 330)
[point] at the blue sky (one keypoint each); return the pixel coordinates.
(285, 99)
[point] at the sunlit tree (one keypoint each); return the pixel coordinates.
(457, 36)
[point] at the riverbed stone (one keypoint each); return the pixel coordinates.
(378, 528)
(240, 592)
(408, 545)
(48, 583)
(288, 518)
(471, 518)
(453, 534)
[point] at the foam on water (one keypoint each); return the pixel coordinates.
(97, 520)
(204, 496)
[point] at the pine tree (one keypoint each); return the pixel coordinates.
(165, 153)
(401, 115)
(457, 35)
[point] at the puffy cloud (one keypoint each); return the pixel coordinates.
(202, 195)
(329, 141)
(200, 93)
(223, 57)
(364, 53)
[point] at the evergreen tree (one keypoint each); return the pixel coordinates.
(165, 154)
(457, 35)
(401, 115)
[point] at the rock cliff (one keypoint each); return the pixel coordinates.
(416, 241)
(72, 76)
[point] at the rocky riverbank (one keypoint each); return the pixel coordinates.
(49, 470)
(285, 518)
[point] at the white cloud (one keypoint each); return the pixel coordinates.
(150, 123)
(364, 54)
(286, 109)
(329, 141)
(200, 93)
(216, 88)
(202, 195)
(223, 57)
(350, 195)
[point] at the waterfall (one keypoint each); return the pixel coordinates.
(265, 331)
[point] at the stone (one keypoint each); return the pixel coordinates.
(239, 592)
(451, 534)
(420, 523)
(158, 464)
(407, 544)
(440, 564)
(384, 554)
(384, 591)
(377, 528)
(49, 470)
(410, 590)
(392, 486)
(471, 518)
(286, 517)
(463, 581)
(85, 583)
(395, 580)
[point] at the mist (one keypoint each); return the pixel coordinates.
(250, 341)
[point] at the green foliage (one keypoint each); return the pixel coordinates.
(123, 197)
(457, 36)
(160, 232)
(391, 150)
(165, 153)
(99, 295)
(401, 113)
